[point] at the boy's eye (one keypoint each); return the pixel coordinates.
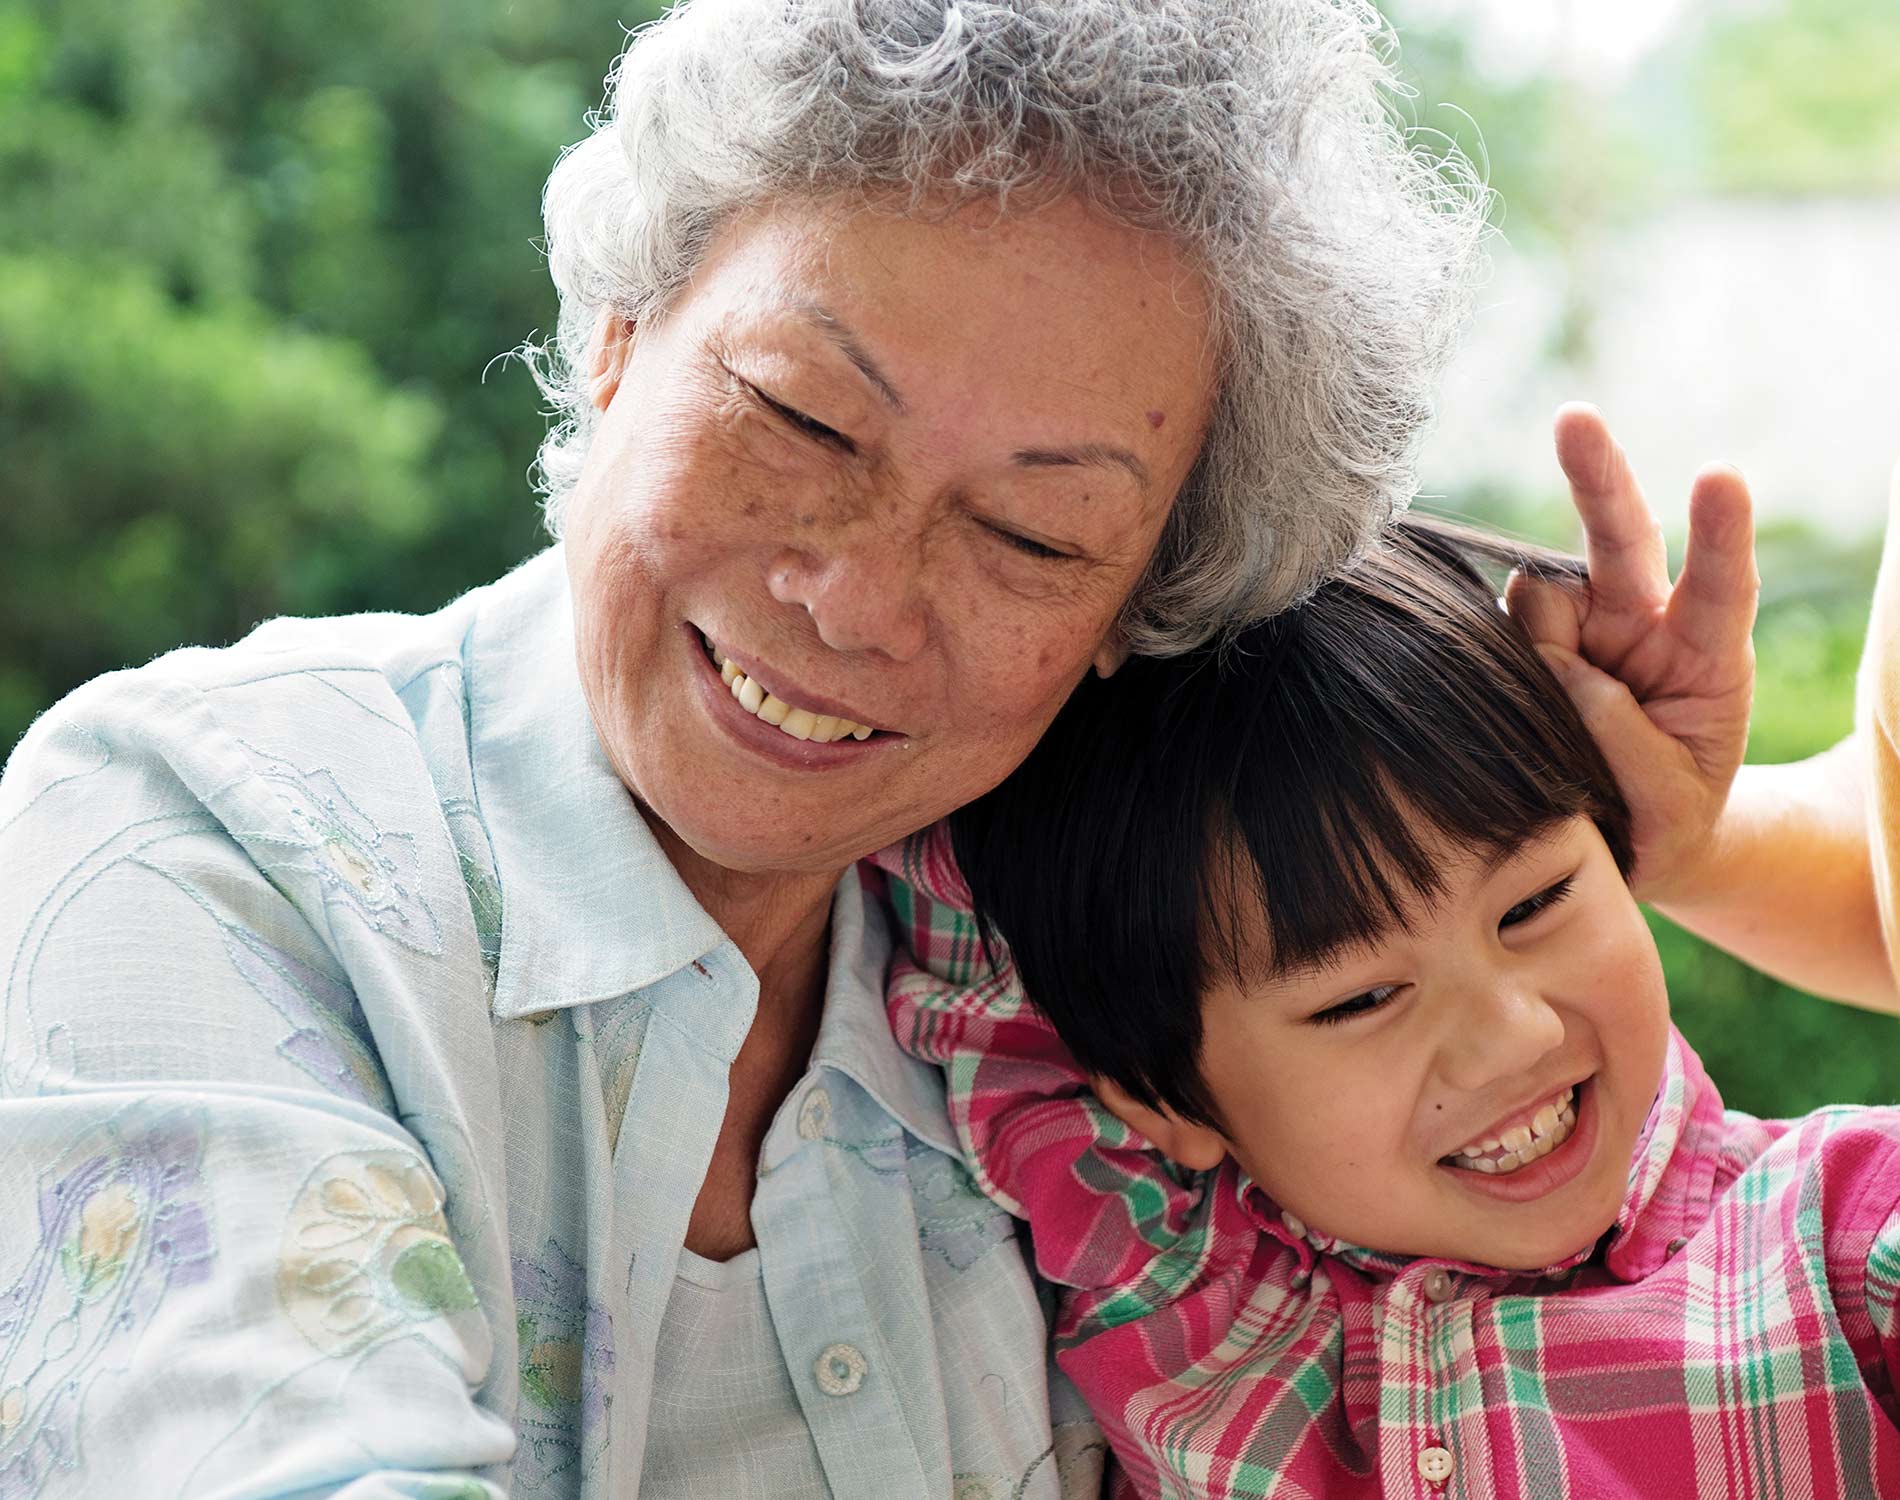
(1532, 905)
(1358, 1005)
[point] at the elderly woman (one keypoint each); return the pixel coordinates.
(445, 1056)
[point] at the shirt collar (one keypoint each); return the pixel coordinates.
(591, 907)
(1673, 1185)
(855, 1036)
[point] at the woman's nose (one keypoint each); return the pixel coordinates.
(860, 590)
(1503, 1032)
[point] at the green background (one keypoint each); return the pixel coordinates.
(258, 260)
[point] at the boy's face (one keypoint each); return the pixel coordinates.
(1347, 1092)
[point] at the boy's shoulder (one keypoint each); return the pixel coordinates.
(1837, 1168)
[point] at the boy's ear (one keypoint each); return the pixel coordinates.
(1199, 1148)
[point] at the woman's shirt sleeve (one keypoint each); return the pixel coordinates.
(224, 1264)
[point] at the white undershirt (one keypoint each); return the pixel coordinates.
(725, 1420)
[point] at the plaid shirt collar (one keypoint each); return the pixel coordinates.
(1673, 1184)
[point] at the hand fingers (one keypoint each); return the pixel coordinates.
(1550, 613)
(1623, 543)
(1713, 606)
(1632, 745)
(1610, 712)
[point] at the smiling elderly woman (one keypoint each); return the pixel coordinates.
(445, 1056)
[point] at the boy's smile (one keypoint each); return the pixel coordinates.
(1348, 1091)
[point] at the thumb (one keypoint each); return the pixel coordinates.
(1609, 710)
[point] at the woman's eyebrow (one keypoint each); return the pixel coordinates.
(1084, 454)
(1081, 455)
(833, 328)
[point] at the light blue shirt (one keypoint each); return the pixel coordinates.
(361, 1056)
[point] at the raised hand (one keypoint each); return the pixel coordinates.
(1662, 673)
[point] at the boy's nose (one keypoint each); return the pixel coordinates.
(1504, 1033)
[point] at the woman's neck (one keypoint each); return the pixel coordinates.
(776, 919)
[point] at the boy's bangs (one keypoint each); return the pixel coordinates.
(1405, 714)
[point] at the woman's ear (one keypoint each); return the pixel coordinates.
(1110, 655)
(1199, 1148)
(608, 350)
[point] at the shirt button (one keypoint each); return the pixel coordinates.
(1437, 1285)
(814, 1114)
(1434, 1465)
(840, 1369)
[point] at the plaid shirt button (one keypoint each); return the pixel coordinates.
(1437, 1285)
(1434, 1464)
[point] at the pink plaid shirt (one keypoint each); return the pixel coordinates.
(1734, 1333)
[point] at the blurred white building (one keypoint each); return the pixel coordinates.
(1760, 332)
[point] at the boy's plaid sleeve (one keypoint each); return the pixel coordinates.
(1100, 1201)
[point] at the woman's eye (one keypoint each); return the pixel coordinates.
(1026, 545)
(1358, 1005)
(792, 417)
(1532, 905)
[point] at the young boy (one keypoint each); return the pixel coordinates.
(1348, 1114)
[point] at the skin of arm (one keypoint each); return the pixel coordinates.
(1788, 881)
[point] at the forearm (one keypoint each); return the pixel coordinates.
(1788, 885)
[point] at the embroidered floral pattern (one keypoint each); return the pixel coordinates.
(359, 866)
(475, 853)
(955, 1221)
(330, 1038)
(367, 1256)
(121, 1222)
(567, 1361)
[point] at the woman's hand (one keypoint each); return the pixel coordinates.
(1663, 674)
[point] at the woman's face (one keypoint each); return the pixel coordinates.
(900, 472)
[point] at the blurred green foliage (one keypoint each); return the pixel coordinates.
(255, 260)
(1800, 98)
(257, 257)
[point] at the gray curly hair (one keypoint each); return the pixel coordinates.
(1261, 136)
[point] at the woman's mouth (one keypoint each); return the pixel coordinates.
(787, 718)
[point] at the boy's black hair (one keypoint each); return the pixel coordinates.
(1295, 771)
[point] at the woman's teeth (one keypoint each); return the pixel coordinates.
(799, 723)
(1521, 1145)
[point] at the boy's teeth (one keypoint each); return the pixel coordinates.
(799, 723)
(1550, 1127)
